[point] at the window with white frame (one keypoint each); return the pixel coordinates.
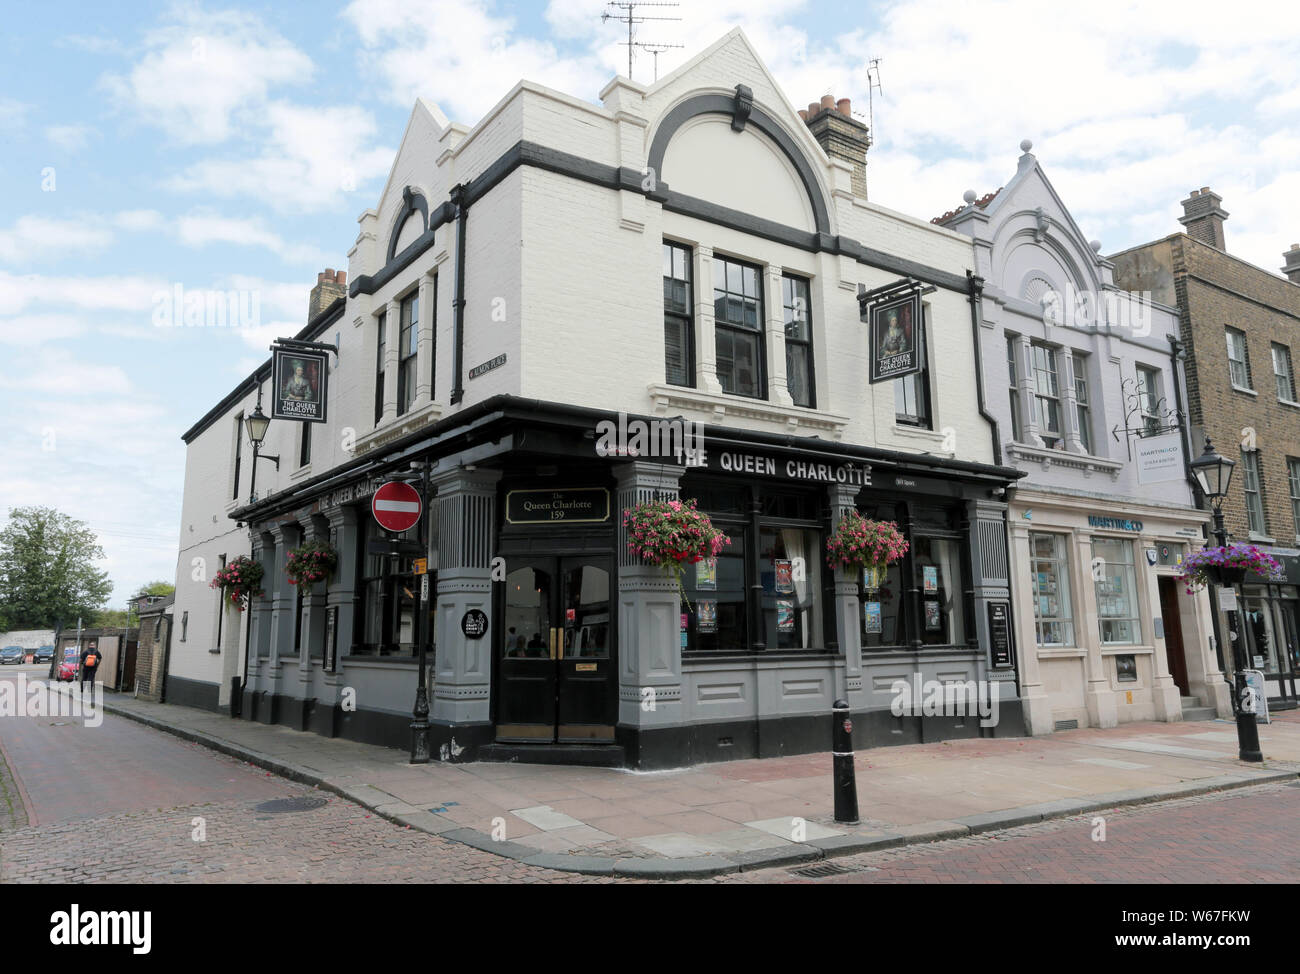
(1253, 489)
(1082, 404)
(798, 339)
(408, 340)
(738, 327)
(1293, 475)
(1148, 394)
(912, 392)
(679, 331)
(1115, 582)
(1283, 376)
(1047, 394)
(1013, 387)
(1049, 568)
(1238, 359)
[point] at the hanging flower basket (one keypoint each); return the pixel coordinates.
(671, 535)
(858, 542)
(1227, 566)
(239, 581)
(311, 562)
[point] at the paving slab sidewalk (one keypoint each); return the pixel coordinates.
(739, 815)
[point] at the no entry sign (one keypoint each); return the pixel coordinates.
(396, 506)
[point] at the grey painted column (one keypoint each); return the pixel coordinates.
(341, 592)
(846, 607)
(986, 527)
(283, 606)
(649, 612)
(312, 643)
(465, 507)
(264, 553)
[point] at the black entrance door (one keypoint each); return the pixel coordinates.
(555, 652)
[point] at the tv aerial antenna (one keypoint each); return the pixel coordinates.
(873, 85)
(626, 11)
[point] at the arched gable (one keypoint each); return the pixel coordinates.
(414, 207)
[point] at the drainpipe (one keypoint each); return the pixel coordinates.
(1184, 429)
(976, 285)
(461, 203)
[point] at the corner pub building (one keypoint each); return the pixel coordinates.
(688, 253)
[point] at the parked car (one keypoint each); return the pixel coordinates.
(67, 672)
(12, 654)
(43, 654)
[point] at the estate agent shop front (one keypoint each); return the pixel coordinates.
(589, 653)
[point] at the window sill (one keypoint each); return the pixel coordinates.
(664, 397)
(1290, 403)
(1262, 538)
(1086, 462)
(1244, 390)
(392, 429)
(301, 472)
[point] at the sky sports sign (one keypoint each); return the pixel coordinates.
(300, 378)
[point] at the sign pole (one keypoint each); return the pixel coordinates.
(420, 714)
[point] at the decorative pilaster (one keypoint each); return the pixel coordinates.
(425, 349)
(778, 389)
(465, 506)
(1034, 699)
(392, 334)
(1097, 694)
(706, 345)
(311, 644)
(843, 499)
(284, 597)
(264, 553)
(341, 593)
(649, 610)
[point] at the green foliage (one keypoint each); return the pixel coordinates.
(48, 573)
(110, 619)
(159, 587)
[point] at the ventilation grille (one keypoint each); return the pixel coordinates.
(822, 870)
(1067, 725)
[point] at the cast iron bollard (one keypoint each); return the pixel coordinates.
(846, 782)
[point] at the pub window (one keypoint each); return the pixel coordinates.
(1293, 476)
(239, 450)
(1082, 405)
(882, 598)
(221, 607)
(1013, 387)
(381, 324)
(304, 445)
(1116, 587)
(679, 328)
(789, 566)
(1049, 568)
(912, 392)
(1047, 394)
(936, 563)
(1148, 381)
(1283, 377)
(798, 340)
(389, 590)
(1253, 489)
(716, 589)
(1238, 359)
(738, 327)
(408, 338)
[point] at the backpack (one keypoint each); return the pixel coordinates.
(92, 660)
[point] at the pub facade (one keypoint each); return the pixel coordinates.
(571, 309)
(1087, 390)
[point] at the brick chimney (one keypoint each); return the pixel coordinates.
(1292, 266)
(330, 285)
(841, 136)
(1203, 217)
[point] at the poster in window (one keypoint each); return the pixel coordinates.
(706, 619)
(872, 616)
(895, 351)
(933, 620)
(930, 575)
(784, 576)
(706, 575)
(784, 615)
(871, 578)
(300, 381)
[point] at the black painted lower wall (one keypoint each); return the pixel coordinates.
(191, 693)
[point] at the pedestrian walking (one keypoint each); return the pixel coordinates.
(89, 664)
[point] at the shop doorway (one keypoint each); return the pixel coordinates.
(1173, 624)
(555, 652)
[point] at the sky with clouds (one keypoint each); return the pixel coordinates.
(218, 146)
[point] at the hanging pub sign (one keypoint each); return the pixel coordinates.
(895, 337)
(300, 379)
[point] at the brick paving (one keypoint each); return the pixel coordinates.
(1244, 836)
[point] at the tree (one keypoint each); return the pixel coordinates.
(159, 587)
(48, 573)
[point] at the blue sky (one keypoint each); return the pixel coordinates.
(232, 146)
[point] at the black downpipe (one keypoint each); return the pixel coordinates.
(461, 202)
(976, 285)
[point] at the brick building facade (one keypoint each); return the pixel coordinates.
(1239, 328)
(151, 655)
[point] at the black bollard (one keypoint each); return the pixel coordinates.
(846, 782)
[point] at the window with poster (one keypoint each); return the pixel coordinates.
(388, 588)
(766, 586)
(937, 569)
(882, 597)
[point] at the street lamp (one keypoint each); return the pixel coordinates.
(1213, 474)
(257, 424)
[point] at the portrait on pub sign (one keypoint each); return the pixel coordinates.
(299, 385)
(894, 347)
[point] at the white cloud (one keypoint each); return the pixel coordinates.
(202, 75)
(139, 221)
(34, 237)
(39, 328)
(13, 113)
(70, 138)
(204, 227)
